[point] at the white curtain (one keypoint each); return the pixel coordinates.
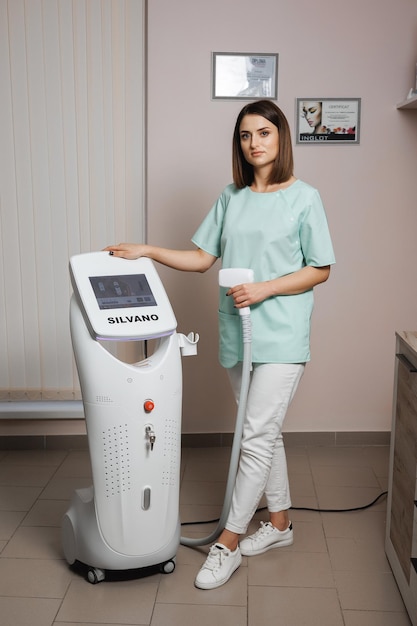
(72, 94)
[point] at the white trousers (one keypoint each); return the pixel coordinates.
(263, 464)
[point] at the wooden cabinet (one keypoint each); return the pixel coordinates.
(401, 529)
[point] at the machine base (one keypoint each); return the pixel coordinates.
(83, 543)
(96, 575)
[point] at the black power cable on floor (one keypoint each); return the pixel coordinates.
(304, 508)
(356, 508)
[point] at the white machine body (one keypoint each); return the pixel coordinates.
(129, 518)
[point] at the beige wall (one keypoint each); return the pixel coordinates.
(363, 48)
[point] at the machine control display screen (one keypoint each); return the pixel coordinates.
(122, 292)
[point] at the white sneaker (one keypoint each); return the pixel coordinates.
(218, 568)
(265, 538)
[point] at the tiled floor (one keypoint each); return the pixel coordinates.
(335, 574)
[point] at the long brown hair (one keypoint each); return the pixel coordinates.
(284, 164)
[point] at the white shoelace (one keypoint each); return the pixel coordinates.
(265, 529)
(215, 557)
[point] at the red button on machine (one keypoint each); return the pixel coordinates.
(149, 405)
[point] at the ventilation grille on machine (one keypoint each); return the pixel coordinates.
(116, 460)
(170, 472)
(103, 399)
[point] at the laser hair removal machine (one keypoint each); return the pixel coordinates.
(129, 517)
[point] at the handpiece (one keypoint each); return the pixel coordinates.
(231, 276)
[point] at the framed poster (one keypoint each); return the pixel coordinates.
(244, 75)
(328, 120)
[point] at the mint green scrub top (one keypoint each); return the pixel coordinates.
(274, 234)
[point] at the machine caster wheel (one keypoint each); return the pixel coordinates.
(95, 575)
(168, 567)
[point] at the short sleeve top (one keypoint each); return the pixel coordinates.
(274, 234)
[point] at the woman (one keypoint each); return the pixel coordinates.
(276, 225)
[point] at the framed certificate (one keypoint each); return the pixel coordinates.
(328, 120)
(244, 75)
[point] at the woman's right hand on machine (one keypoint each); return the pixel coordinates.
(127, 250)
